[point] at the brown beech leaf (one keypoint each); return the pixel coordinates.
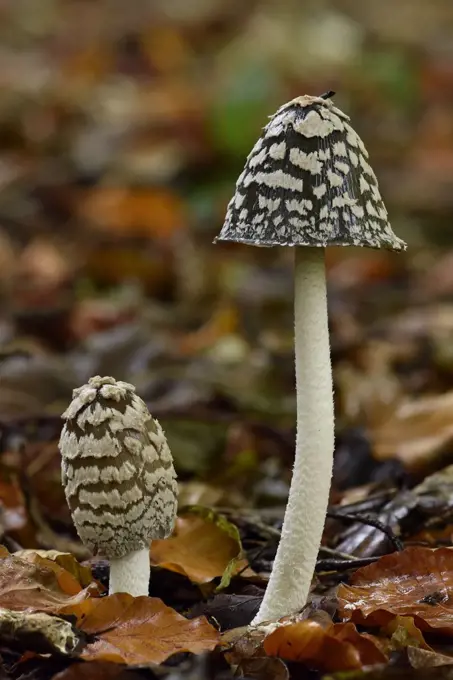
(129, 211)
(416, 582)
(67, 582)
(140, 630)
(113, 263)
(339, 647)
(418, 432)
(65, 564)
(38, 585)
(369, 392)
(204, 545)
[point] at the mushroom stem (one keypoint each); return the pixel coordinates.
(305, 514)
(131, 573)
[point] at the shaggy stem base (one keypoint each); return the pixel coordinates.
(305, 513)
(130, 574)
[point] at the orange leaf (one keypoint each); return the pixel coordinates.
(416, 582)
(42, 585)
(200, 549)
(73, 574)
(67, 582)
(340, 647)
(134, 212)
(140, 630)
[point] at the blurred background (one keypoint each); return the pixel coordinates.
(123, 128)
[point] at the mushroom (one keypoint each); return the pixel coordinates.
(118, 477)
(307, 183)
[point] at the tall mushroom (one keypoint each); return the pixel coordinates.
(307, 183)
(118, 477)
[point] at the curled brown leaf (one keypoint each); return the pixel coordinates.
(339, 647)
(140, 630)
(416, 582)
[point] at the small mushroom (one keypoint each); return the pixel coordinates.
(307, 183)
(118, 477)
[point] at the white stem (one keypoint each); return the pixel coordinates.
(130, 574)
(305, 514)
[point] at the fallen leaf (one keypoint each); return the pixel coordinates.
(37, 632)
(418, 432)
(38, 585)
(67, 582)
(339, 647)
(416, 582)
(370, 391)
(242, 643)
(97, 315)
(196, 492)
(436, 280)
(98, 670)
(129, 211)
(348, 271)
(427, 658)
(113, 263)
(140, 630)
(66, 562)
(43, 266)
(204, 545)
(404, 633)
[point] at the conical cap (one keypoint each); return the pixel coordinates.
(308, 182)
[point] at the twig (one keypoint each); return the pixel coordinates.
(372, 522)
(343, 565)
(366, 504)
(336, 554)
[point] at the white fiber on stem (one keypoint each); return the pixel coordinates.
(305, 514)
(131, 573)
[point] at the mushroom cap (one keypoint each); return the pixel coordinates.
(117, 469)
(307, 182)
